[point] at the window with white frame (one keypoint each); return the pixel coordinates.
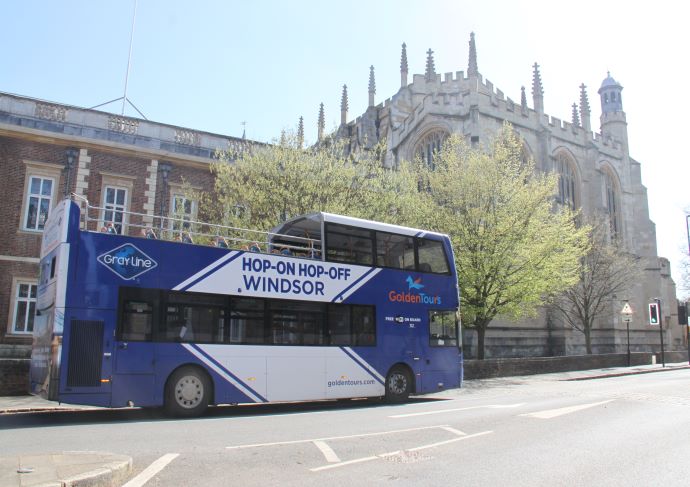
(114, 207)
(39, 198)
(24, 307)
(182, 212)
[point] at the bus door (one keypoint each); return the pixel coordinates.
(133, 350)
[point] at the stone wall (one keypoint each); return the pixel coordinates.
(506, 367)
(14, 370)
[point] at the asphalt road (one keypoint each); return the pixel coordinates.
(542, 430)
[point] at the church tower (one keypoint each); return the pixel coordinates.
(613, 123)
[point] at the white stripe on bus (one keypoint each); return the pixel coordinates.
(205, 270)
(248, 392)
(356, 286)
(364, 363)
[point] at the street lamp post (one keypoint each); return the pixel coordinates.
(627, 316)
(661, 331)
(70, 157)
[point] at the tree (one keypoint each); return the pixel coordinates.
(512, 247)
(272, 183)
(607, 271)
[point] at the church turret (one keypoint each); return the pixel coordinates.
(322, 123)
(403, 67)
(584, 108)
(343, 106)
(472, 70)
(537, 90)
(430, 73)
(372, 86)
(576, 116)
(300, 132)
(613, 123)
(523, 100)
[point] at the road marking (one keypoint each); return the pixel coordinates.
(149, 472)
(311, 440)
(441, 411)
(554, 413)
(453, 430)
(327, 451)
(397, 452)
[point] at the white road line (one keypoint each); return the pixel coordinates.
(327, 451)
(554, 413)
(453, 430)
(149, 472)
(441, 411)
(311, 440)
(397, 452)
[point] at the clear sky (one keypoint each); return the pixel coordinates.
(211, 65)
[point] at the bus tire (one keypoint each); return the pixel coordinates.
(187, 392)
(398, 384)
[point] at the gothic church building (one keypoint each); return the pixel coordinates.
(597, 176)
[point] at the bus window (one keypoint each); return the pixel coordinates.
(247, 321)
(194, 317)
(396, 251)
(363, 325)
(137, 321)
(349, 244)
(339, 325)
(431, 256)
(296, 322)
(443, 330)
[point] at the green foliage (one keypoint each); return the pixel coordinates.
(512, 246)
(276, 182)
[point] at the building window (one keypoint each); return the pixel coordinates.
(566, 181)
(38, 202)
(24, 308)
(429, 146)
(114, 207)
(182, 212)
(612, 206)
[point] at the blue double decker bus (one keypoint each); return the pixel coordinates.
(322, 307)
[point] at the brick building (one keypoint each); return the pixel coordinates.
(48, 151)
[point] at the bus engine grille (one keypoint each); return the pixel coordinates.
(85, 354)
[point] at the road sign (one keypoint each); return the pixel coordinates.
(627, 310)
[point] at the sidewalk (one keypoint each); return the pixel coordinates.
(65, 469)
(73, 469)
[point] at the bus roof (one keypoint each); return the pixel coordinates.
(312, 222)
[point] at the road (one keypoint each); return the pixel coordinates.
(541, 430)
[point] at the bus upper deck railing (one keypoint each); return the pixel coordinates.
(183, 229)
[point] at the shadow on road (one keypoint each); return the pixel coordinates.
(132, 415)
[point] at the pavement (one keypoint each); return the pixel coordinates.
(96, 469)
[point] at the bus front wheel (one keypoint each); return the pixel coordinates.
(398, 384)
(187, 392)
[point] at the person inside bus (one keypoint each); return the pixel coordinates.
(109, 227)
(148, 233)
(255, 247)
(185, 237)
(221, 242)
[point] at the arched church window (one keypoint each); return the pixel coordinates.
(429, 146)
(613, 97)
(566, 181)
(612, 205)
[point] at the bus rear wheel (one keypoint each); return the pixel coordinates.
(398, 384)
(187, 392)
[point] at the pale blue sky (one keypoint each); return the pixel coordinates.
(210, 65)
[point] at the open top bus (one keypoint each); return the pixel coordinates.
(187, 314)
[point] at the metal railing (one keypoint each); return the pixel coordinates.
(184, 229)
